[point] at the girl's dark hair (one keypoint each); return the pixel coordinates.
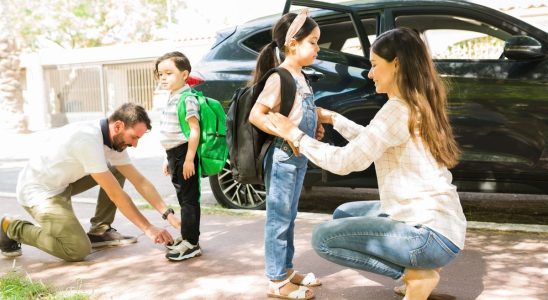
(130, 114)
(179, 59)
(267, 56)
(422, 89)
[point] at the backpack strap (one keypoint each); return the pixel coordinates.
(181, 109)
(288, 88)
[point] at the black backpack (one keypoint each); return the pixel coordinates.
(247, 145)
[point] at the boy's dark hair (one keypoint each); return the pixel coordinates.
(267, 57)
(130, 114)
(179, 59)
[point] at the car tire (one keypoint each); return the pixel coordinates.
(231, 194)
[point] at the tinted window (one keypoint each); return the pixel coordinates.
(453, 37)
(338, 33)
(258, 40)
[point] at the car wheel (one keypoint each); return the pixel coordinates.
(231, 194)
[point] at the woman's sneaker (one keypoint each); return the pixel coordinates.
(111, 237)
(8, 247)
(184, 250)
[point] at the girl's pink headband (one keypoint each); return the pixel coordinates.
(295, 26)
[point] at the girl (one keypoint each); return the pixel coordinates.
(172, 70)
(418, 225)
(295, 37)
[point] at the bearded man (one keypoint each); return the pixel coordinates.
(76, 158)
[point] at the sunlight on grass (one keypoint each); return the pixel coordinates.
(14, 285)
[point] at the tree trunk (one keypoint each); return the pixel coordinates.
(11, 96)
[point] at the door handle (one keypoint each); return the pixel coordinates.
(313, 75)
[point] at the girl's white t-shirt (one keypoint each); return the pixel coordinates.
(68, 154)
(271, 96)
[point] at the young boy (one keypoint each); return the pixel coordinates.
(172, 71)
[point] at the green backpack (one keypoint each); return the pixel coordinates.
(212, 149)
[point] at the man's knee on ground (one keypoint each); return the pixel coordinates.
(77, 251)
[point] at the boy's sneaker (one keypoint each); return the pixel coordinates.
(111, 237)
(175, 244)
(8, 247)
(184, 250)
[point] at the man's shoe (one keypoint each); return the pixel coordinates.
(183, 251)
(8, 247)
(111, 237)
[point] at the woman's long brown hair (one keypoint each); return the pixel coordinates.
(422, 89)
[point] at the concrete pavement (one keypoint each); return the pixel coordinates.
(494, 265)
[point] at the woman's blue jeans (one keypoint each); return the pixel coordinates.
(361, 237)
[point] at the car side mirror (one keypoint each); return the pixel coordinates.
(522, 47)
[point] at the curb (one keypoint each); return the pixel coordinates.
(322, 217)
(505, 227)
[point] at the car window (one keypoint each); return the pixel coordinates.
(453, 37)
(338, 32)
(258, 40)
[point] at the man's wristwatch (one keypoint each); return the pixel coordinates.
(168, 211)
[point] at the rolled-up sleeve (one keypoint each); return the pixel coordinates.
(388, 128)
(192, 108)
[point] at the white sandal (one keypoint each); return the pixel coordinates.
(274, 290)
(309, 279)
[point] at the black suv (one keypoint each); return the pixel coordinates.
(496, 67)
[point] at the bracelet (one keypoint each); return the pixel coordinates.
(168, 211)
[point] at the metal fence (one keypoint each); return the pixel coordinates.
(100, 87)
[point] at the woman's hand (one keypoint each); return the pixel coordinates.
(282, 126)
(320, 131)
(324, 115)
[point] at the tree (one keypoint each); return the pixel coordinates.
(82, 23)
(11, 97)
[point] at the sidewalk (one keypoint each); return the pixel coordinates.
(494, 265)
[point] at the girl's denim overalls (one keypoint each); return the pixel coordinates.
(284, 176)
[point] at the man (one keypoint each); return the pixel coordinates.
(78, 157)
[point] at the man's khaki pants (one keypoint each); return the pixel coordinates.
(59, 233)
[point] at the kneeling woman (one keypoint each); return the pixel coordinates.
(418, 225)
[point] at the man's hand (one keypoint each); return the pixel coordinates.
(188, 169)
(174, 221)
(158, 235)
(165, 167)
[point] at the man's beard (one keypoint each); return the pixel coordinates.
(118, 143)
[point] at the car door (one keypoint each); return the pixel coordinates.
(339, 79)
(497, 105)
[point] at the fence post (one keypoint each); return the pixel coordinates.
(104, 105)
